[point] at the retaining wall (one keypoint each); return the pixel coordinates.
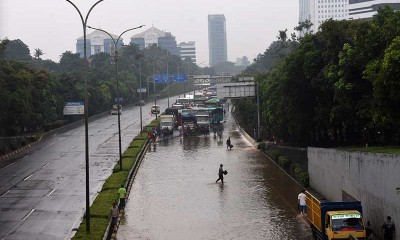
(372, 178)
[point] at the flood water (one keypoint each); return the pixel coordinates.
(174, 194)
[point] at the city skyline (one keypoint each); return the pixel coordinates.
(54, 26)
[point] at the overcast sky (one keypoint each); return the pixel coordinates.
(54, 25)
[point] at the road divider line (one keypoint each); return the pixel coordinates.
(15, 162)
(73, 147)
(5, 193)
(27, 177)
(51, 192)
(27, 215)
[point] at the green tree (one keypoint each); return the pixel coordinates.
(15, 50)
(38, 53)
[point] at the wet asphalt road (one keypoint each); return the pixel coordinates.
(42, 194)
(174, 195)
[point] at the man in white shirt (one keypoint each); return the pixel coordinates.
(301, 201)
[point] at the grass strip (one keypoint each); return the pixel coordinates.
(374, 149)
(98, 228)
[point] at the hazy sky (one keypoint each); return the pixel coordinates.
(54, 25)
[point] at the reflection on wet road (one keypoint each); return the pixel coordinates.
(174, 195)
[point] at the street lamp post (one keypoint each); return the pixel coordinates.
(184, 85)
(140, 94)
(177, 64)
(258, 110)
(168, 77)
(153, 59)
(86, 107)
(116, 78)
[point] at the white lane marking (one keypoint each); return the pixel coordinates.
(5, 193)
(45, 165)
(15, 162)
(27, 177)
(51, 192)
(76, 132)
(28, 214)
(49, 145)
(73, 147)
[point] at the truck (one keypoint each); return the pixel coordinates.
(203, 119)
(189, 124)
(217, 115)
(334, 220)
(167, 124)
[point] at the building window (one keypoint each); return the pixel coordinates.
(97, 49)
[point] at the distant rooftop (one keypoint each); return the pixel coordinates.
(97, 33)
(153, 31)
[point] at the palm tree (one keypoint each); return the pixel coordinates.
(38, 53)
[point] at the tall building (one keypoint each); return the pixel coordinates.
(164, 40)
(97, 42)
(306, 12)
(318, 11)
(362, 9)
(217, 46)
(188, 49)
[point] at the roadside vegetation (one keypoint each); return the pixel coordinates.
(336, 87)
(33, 91)
(289, 165)
(375, 149)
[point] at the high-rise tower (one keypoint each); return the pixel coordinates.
(217, 47)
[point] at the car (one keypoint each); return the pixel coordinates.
(141, 103)
(114, 110)
(155, 109)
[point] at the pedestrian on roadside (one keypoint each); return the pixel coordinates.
(220, 174)
(114, 211)
(228, 143)
(219, 132)
(148, 136)
(122, 196)
(301, 201)
(388, 229)
(369, 231)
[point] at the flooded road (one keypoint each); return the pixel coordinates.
(174, 195)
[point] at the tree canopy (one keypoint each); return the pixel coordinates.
(338, 86)
(33, 91)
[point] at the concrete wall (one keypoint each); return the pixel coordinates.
(370, 177)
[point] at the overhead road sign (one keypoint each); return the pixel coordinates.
(236, 90)
(121, 100)
(160, 78)
(246, 79)
(164, 78)
(74, 108)
(180, 78)
(207, 80)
